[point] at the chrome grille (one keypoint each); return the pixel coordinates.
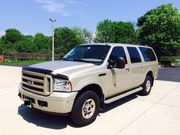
(37, 82)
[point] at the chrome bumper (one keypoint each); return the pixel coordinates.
(57, 102)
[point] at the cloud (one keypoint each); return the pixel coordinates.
(53, 6)
(70, 1)
(2, 33)
(66, 14)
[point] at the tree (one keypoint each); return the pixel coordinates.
(1, 47)
(115, 32)
(29, 37)
(9, 39)
(25, 45)
(160, 29)
(42, 43)
(12, 36)
(65, 40)
(83, 34)
(103, 33)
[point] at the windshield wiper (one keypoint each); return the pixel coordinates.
(80, 60)
(65, 59)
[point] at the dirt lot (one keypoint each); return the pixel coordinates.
(156, 114)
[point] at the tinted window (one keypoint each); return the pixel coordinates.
(118, 52)
(88, 53)
(134, 55)
(148, 54)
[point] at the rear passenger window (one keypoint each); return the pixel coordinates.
(118, 52)
(148, 54)
(134, 55)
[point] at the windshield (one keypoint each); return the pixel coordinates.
(88, 53)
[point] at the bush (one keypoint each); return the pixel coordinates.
(167, 61)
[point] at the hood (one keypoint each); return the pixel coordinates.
(60, 67)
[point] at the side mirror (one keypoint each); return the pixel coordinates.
(120, 62)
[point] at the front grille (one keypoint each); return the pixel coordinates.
(36, 82)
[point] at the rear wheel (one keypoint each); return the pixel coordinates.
(147, 85)
(85, 109)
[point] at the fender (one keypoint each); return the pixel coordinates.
(88, 81)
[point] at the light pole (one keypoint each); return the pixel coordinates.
(52, 21)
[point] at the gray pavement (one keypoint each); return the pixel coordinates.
(156, 114)
(170, 74)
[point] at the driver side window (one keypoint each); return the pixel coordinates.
(118, 52)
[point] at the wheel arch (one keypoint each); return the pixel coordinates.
(95, 88)
(150, 73)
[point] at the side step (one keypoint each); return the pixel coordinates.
(108, 101)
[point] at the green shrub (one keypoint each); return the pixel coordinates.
(167, 60)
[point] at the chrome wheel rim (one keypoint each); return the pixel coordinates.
(148, 85)
(88, 108)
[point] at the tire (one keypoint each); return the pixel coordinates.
(147, 85)
(85, 108)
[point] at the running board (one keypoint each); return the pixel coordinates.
(108, 101)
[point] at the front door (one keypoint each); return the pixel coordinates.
(118, 79)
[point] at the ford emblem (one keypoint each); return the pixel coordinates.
(30, 82)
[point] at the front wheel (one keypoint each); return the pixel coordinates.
(147, 85)
(85, 109)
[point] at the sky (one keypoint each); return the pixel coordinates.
(32, 16)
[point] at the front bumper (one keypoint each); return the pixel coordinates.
(57, 102)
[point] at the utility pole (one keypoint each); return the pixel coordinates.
(52, 21)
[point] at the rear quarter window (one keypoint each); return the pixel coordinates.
(148, 54)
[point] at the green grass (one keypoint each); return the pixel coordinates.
(30, 62)
(22, 62)
(176, 57)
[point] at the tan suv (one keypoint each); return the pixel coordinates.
(88, 77)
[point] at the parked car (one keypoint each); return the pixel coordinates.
(88, 77)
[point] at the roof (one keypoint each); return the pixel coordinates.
(115, 44)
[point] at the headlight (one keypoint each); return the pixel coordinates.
(62, 85)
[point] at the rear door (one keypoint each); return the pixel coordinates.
(136, 69)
